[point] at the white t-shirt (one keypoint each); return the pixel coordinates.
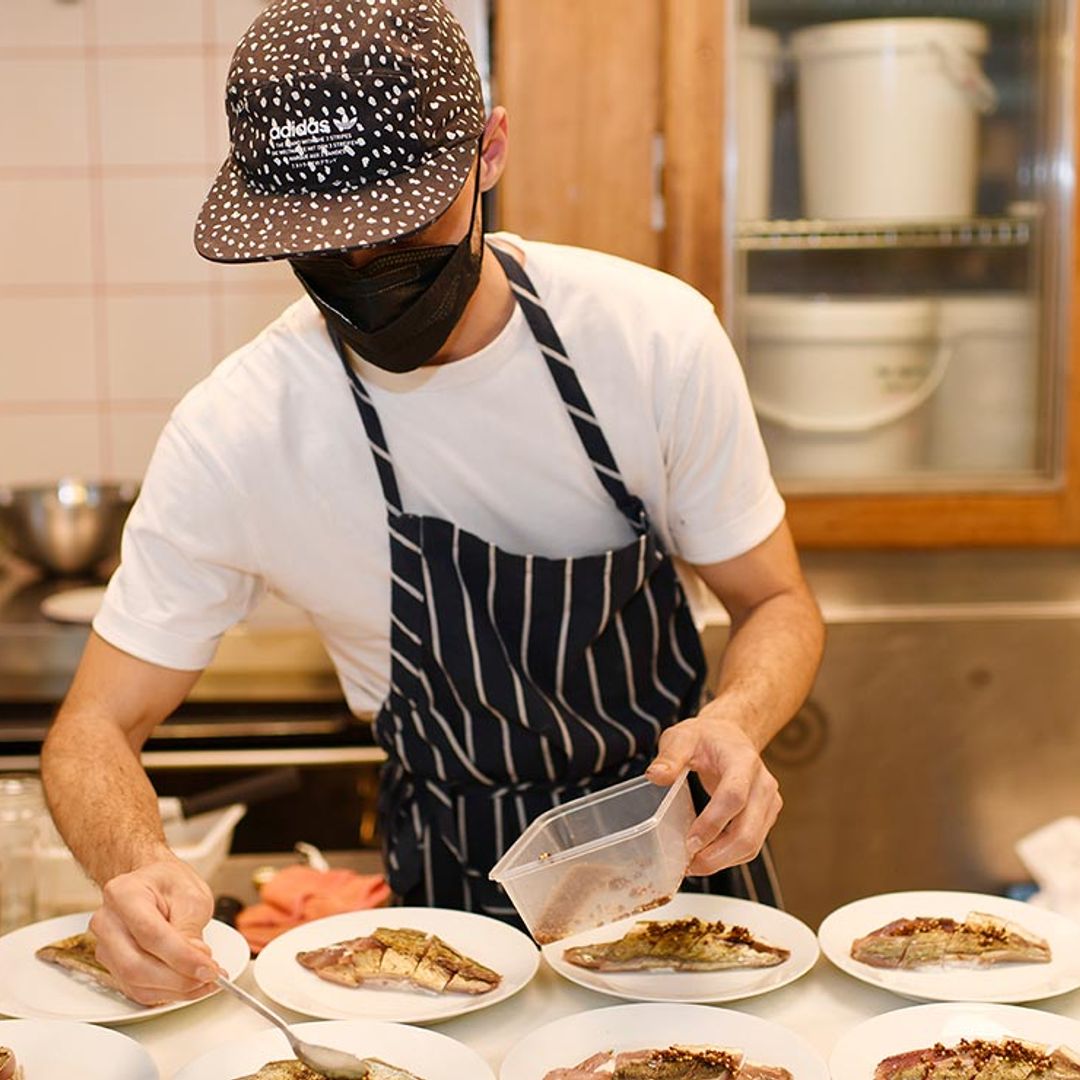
(263, 478)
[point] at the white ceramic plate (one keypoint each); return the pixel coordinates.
(34, 989)
(60, 1048)
(775, 927)
(1001, 983)
(425, 1053)
(857, 1053)
(74, 605)
(569, 1041)
(498, 946)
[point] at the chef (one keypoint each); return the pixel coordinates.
(473, 460)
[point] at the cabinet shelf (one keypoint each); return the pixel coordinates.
(819, 235)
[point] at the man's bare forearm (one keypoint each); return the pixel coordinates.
(769, 664)
(100, 797)
(99, 794)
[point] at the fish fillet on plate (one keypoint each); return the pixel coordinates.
(402, 957)
(670, 1063)
(662, 1042)
(407, 964)
(295, 1070)
(954, 946)
(982, 1059)
(688, 944)
(403, 1052)
(927, 941)
(78, 956)
(694, 949)
(959, 1040)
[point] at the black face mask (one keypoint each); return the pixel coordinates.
(398, 310)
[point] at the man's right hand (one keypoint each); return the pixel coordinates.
(149, 932)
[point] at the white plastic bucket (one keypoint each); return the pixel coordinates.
(889, 117)
(840, 385)
(984, 415)
(757, 68)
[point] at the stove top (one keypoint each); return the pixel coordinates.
(274, 656)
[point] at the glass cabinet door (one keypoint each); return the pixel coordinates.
(900, 237)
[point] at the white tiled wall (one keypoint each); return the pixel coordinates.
(108, 315)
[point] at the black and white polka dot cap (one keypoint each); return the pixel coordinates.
(352, 123)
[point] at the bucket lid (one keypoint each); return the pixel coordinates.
(757, 43)
(872, 35)
(777, 317)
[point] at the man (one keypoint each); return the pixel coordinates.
(471, 463)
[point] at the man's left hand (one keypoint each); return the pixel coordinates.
(744, 796)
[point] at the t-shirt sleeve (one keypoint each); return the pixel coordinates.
(187, 570)
(722, 497)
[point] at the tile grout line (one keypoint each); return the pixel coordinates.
(214, 99)
(120, 405)
(99, 276)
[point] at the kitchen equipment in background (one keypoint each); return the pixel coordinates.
(757, 72)
(270, 697)
(66, 528)
(889, 117)
(202, 841)
(22, 812)
(599, 858)
(984, 415)
(840, 384)
(199, 829)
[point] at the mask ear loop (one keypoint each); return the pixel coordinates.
(476, 197)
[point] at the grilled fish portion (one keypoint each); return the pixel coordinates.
(980, 940)
(681, 944)
(9, 1067)
(672, 1063)
(403, 956)
(77, 954)
(294, 1070)
(978, 1059)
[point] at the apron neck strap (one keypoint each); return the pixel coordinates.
(380, 451)
(570, 390)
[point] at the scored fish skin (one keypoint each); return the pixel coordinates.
(295, 1070)
(688, 944)
(78, 953)
(980, 1059)
(402, 955)
(924, 941)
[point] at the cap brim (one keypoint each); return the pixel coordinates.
(238, 224)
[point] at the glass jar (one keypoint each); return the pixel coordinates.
(22, 812)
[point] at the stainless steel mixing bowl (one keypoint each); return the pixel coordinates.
(67, 528)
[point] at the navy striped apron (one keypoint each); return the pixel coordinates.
(519, 682)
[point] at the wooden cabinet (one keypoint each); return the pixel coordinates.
(617, 142)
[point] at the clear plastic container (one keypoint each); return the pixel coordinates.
(202, 841)
(600, 858)
(22, 811)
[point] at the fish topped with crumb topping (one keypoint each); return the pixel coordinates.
(982, 1059)
(669, 1063)
(689, 944)
(979, 940)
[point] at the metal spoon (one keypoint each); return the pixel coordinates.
(333, 1064)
